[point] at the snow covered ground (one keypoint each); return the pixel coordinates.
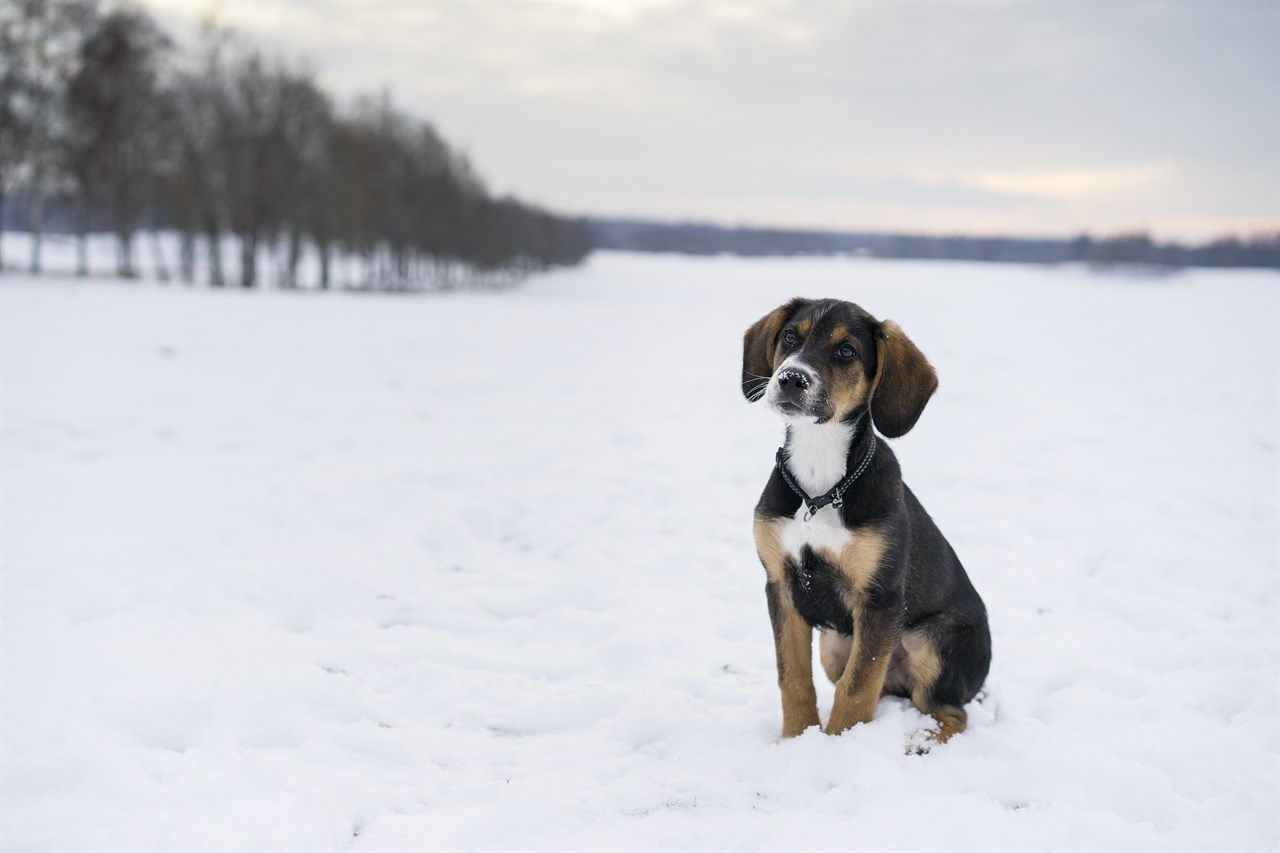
(287, 571)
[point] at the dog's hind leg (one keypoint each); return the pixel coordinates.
(834, 649)
(947, 665)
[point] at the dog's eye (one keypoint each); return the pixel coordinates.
(789, 337)
(847, 351)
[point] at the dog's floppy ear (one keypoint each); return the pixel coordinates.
(758, 345)
(904, 382)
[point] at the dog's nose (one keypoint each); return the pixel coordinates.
(793, 381)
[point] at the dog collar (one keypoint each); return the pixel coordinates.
(835, 496)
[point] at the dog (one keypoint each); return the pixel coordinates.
(846, 547)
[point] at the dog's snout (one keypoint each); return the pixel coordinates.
(795, 380)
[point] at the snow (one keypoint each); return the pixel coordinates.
(475, 571)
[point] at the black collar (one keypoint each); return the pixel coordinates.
(835, 496)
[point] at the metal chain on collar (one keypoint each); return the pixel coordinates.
(835, 496)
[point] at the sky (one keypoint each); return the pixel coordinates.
(1032, 119)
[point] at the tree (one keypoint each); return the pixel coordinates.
(241, 143)
(299, 151)
(114, 106)
(14, 127)
(41, 40)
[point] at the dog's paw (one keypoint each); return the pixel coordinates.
(797, 717)
(920, 742)
(789, 732)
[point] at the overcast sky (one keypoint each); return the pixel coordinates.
(1026, 118)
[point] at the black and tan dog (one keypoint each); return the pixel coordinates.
(845, 544)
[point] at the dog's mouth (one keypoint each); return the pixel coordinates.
(789, 408)
(817, 409)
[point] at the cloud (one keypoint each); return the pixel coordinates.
(1071, 184)
(1057, 117)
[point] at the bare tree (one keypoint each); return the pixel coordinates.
(14, 126)
(238, 143)
(114, 109)
(202, 186)
(299, 149)
(43, 37)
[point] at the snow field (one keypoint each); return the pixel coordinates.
(288, 571)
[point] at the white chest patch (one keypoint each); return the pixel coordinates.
(816, 457)
(824, 532)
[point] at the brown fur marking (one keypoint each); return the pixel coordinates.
(925, 665)
(760, 343)
(795, 676)
(951, 721)
(859, 688)
(793, 638)
(860, 557)
(845, 396)
(904, 381)
(768, 532)
(858, 560)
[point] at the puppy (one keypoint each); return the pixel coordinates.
(846, 547)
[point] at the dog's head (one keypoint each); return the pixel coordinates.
(825, 360)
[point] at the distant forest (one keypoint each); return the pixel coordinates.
(106, 125)
(701, 239)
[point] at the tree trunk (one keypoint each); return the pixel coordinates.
(82, 237)
(324, 266)
(295, 254)
(157, 255)
(215, 257)
(278, 270)
(36, 219)
(125, 266)
(187, 256)
(248, 259)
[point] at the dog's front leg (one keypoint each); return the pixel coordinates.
(793, 642)
(858, 690)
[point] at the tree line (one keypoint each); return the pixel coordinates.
(1129, 249)
(106, 123)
